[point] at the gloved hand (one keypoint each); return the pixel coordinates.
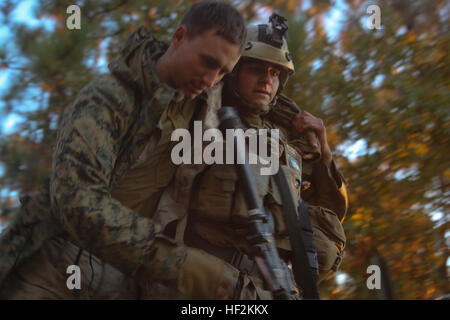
(194, 273)
(303, 146)
(204, 276)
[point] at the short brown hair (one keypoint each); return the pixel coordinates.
(207, 15)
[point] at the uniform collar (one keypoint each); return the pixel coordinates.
(135, 65)
(161, 91)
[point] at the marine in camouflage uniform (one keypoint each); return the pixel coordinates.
(110, 166)
(215, 216)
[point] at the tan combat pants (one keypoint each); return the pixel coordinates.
(44, 276)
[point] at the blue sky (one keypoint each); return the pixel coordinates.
(22, 14)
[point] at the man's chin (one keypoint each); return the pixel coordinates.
(260, 103)
(189, 94)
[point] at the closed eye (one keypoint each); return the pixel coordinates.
(211, 63)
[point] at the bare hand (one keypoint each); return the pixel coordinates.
(225, 290)
(314, 129)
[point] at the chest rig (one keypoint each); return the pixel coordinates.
(217, 209)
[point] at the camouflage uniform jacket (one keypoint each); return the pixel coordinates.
(103, 134)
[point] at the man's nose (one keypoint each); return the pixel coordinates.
(266, 77)
(210, 78)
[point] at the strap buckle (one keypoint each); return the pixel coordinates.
(338, 261)
(242, 262)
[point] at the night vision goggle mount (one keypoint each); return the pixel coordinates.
(279, 28)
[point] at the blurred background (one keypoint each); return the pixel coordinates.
(382, 92)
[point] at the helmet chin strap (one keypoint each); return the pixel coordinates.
(248, 107)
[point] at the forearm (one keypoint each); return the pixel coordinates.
(89, 141)
(102, 225)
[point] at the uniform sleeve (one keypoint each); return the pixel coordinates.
(88, 145)
(327, 189)
(327, 184)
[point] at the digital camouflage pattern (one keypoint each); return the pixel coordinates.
(102, 135)
(30, 229)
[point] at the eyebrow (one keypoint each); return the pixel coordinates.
(215, 62)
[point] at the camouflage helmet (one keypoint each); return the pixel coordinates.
(266, 42)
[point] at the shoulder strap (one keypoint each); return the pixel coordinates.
(305, 269)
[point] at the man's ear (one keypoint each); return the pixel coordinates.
(179, 36)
